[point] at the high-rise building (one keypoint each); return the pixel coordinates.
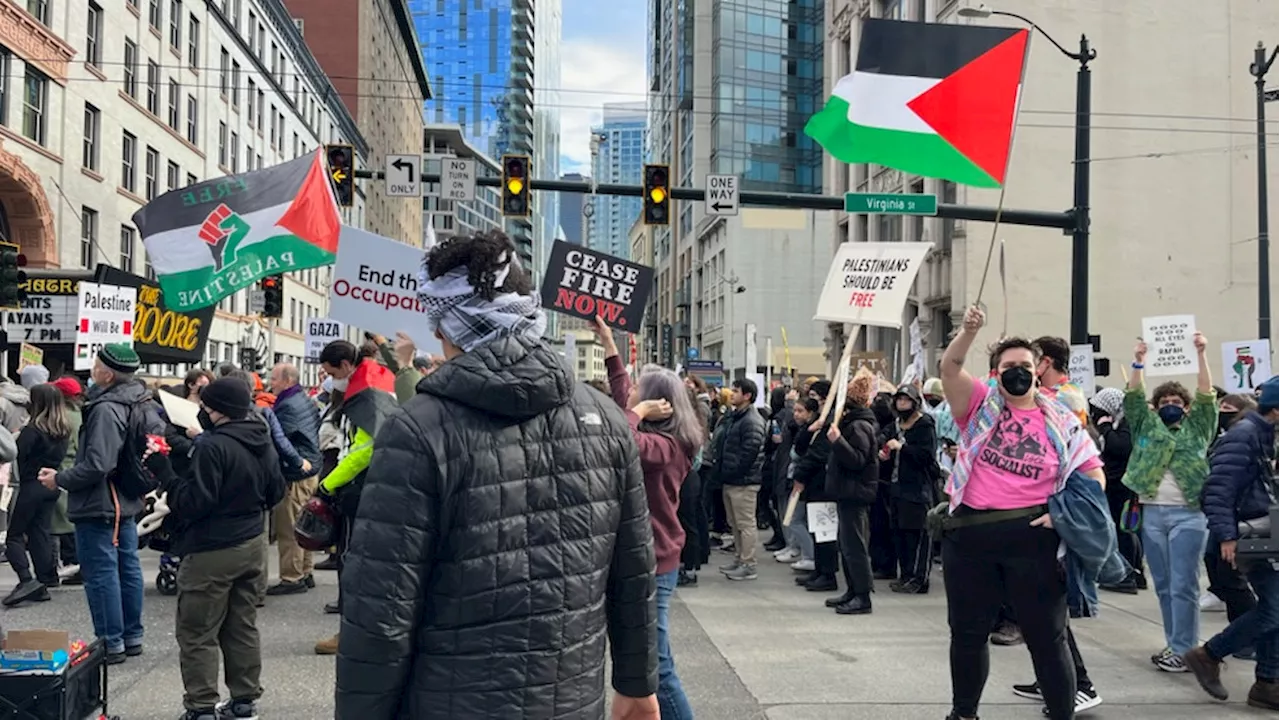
(546, 127)
(370, 50)
(482, 56)
(572, 211)
(731, 86)
(447, 217)
(619, 158)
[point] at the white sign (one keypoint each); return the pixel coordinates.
(458, 179)
(869, 283)
(375, 287)
(1081, 369)
(1170, 346)
(823, 521)
(181, 411)
(403, 176)
(321, 332)
(106, 316)
(1246, 365)
(722, 195)
(44, 320)
(257, 302)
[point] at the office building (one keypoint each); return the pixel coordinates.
(104, 107)
(618, 158)
(546, 126)
(1174, 135)
(482, 59)
(573, 210)
(731, 87)
(370, 50)
(447, 217)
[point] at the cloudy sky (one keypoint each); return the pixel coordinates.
(602, 60)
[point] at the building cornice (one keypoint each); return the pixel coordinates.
(33, 42)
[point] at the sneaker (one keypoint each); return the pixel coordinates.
(237, 709)
(1263, 695)
(1208, 671)
(1030, 692)
(859, 605)
(288, 587)
(787, 555)
(1128, 586)
(329, 563)
(1007, 634)
(775, 545)
(1172, 663)
(133, 650)
(910, 587)
(730, 567)
(687, 578)
(802, 565)
(74, 579)
(1157, 657)
(1086, 699)
(743, 572)
(24, 591)
(332, 608)
(729, 547)
(310, 581)
(1211, 603)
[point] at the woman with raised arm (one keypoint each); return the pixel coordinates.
(1017, 448)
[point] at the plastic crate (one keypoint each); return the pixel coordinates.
(78, 692)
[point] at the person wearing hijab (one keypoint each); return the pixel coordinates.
(1115, 442)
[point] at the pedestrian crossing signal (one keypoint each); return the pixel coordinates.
(657, 195)
(515, 186)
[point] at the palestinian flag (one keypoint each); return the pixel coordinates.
(213, 238)
(928, 99)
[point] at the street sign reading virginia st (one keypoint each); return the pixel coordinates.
(890, 204)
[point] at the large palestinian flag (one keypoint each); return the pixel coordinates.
(211, 239)
(928, 99)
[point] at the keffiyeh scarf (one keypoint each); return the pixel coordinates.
(1109, 401)
(458, 312)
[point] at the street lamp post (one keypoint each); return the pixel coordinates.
(1261, 64)
(1080, 185)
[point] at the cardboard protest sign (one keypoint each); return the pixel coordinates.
(375, 287)
(1170, 345)
(1246, 364)
(320, 332)
(1081, 369)
(869, 283)
(585, 283)
(106, 316)
(29, 354)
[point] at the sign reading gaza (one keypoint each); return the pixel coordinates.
(585, 283)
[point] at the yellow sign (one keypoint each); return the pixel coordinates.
(29, 355)
(165, 328)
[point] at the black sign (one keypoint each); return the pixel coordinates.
(668, 357)
(585, 283)
(161, 335)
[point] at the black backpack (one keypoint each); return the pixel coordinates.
(131, 477)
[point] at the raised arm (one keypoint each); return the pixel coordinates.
(957, 383)
(619, 383)
(1204, 379)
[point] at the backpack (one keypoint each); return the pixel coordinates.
(131, 477)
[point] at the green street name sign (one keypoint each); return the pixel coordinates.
(890, 204)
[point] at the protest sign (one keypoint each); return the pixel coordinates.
(1081, 369)
(869, 283)
(873, 360)
(585, 283)
(181, 411)
(106, 316)
(1170, 346)
(1246, 364)
(29, 354)
(321, 332)
(160, 333)
(823, 521)
(375, 287)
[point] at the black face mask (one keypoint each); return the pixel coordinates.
(206, 422)
(933, 401)
(1225, 418)
(904, 414)
(1017, 381)
(883, 413)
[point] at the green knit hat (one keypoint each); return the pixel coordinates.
(120, 357)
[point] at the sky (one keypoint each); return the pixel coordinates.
(602, 59)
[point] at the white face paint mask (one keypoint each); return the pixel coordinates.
(340, 384)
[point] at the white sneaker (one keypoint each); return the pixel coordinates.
(1211, 603)
(802, 565)
(787, 555)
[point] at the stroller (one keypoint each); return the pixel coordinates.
(153, 533)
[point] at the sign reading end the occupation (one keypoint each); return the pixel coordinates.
(585, 283)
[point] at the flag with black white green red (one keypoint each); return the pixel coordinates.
(928, 99)
(208, 240)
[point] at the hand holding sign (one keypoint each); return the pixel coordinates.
(1140, 352)
(605, 336)
(585, 283)
(974, 319)
(1199, 342)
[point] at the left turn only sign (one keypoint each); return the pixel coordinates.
(403, 175)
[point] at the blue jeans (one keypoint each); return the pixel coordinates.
(1256, 628)
(798, 532)
(1082, 595)
(112, 581)
(1174, 537)
(671, 699)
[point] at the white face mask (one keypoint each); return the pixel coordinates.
(340, 384)
(327, 384)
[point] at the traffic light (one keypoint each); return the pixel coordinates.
(249, 359)
(657, 195)
(515, 186)
(342, 171)
(273, 296)
(11, 276)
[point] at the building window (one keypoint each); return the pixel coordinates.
(175, 92)
(93, 36)
(92, 133)
(273, 127)
(88, 236)
(295, 145)
(132, 3)
(39, 10)
(235, 84)
(153, 15)
(234, 152)
(248, 157)
(131, 68)
(175, 24)
(152, 170)
(224, 69)
(193, 120)
(253, 32)
(193, 42)
(6, 60)
(252, 92)
(128, 161)
(35, 100)
(126, 248)
(191, 180)
(153, 88)
(222, 144)
(262, 101)
(172, 175)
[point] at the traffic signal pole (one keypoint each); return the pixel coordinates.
(1065, 220)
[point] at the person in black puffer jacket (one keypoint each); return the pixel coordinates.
(502, 540)
(852, 477)
(739, 462)
(768, 510)
(809, 472)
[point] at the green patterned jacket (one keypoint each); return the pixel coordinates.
(1156, 448)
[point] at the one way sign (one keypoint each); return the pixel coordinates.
(722, 195)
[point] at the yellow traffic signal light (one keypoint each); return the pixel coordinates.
(515, 186)
(657, 195)
(342, 171)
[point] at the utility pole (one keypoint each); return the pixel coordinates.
(1080, 194)
(1261, 64)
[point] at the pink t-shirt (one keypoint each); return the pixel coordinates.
(1018, 466)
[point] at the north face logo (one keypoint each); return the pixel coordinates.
(591, 418)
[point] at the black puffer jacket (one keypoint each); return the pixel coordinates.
(503, 531)
(853, 469)
(741, 455)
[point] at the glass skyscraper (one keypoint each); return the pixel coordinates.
(620, 160)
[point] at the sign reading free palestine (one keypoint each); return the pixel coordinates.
(106, 317)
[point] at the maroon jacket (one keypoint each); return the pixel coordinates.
(665, 467)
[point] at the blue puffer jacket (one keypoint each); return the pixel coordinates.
(1235, 489)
